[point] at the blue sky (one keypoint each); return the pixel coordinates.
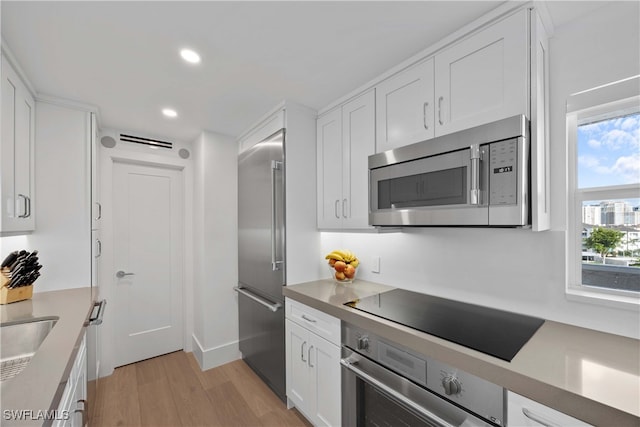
(609, 152)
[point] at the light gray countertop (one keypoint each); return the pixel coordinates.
(590, 375)
(39, 387)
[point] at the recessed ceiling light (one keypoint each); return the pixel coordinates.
(169, 112)
(190, 56)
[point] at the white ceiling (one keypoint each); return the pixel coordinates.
(123, 56)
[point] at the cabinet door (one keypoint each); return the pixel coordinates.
(329, 146)
(96, 206)
(404, 107)
(324, 362)
(358, 143)
(540, 171)
(18, 149)
(484, 77)
(297, 353)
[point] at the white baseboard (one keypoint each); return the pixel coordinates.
(216, 356)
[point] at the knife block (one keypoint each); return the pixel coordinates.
(8, 296)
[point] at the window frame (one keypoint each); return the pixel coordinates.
(609, 101)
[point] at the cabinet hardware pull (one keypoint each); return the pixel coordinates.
(440, 110)
(302, 351)
(308, 319)
(25, 200)
(99, 246)
(99, 211)
(344, 204)
(424, 115)
(542, 421)
(309, 357)
(335, 208)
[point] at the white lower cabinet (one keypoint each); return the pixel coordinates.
(72, 411)
(524, 412)
(313, 364)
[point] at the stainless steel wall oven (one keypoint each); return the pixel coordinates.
(386, 384)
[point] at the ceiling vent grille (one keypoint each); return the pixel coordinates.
(146, 141)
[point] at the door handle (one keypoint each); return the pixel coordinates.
(430, 416)
(302, 351)
(344, 205)
(273, 307)
(474, 191)
(335, 208)
(440, 99)
(120, 274)
(275, 264)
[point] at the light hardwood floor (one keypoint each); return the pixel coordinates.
(171, 390)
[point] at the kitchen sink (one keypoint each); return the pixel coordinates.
(19, 341)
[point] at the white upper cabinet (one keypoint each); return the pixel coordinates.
(345, 139)
(404, 107)
(17, 149)
(329, 140)
(96, 206)
(484, 77)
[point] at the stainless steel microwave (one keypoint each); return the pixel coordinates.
(478, 177)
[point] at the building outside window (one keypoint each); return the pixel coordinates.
(603, 130)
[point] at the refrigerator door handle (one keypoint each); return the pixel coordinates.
(275, 264)
(271, 306)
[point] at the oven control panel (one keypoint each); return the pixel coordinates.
(465, 389)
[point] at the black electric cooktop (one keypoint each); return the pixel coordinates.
(494, 332)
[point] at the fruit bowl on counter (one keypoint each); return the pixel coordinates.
(342, 264)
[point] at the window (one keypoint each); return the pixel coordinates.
(603, 129)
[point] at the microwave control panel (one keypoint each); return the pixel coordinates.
(503, 162)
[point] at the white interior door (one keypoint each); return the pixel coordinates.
(148, 254)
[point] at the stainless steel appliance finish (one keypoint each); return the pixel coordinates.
(261, 259)
(476, 177)
(384, 383)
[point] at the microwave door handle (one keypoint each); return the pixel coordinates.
(474, 191)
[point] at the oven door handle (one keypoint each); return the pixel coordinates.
(349, 365)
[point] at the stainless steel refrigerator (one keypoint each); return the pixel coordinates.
(261, 259)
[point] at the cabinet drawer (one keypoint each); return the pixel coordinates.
(524, 412)
(322, 324)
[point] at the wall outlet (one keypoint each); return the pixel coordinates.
(375, 264)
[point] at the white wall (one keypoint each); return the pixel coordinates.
(518, 270)
(62, 202)
(216, 249)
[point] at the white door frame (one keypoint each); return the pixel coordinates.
(107, 283)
